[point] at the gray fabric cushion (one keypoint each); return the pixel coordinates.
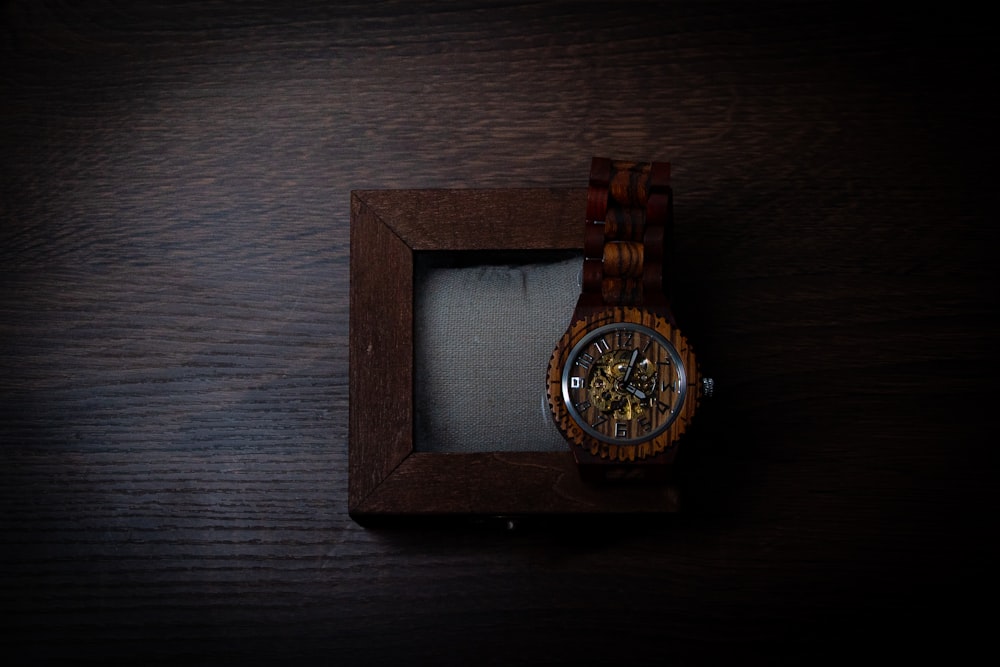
(483, 338)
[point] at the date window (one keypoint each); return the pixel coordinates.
(576, 382)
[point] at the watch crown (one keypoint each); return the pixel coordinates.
(707, 387)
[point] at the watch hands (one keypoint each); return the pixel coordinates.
(623, 384)
(638, 393)
(631, 367)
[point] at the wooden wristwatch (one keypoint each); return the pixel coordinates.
(623, 383)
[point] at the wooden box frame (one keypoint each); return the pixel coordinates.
(386, 477)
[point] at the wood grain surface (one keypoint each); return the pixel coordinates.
(174, 234)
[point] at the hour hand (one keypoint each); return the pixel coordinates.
(638, 393)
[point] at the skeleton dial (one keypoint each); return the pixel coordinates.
(623, 383)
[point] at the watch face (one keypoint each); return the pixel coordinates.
(623, 383)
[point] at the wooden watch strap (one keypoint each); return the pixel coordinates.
(629, 219)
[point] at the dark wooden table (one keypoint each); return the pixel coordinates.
(174, 211)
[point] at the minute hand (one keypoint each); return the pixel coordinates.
(631, 367)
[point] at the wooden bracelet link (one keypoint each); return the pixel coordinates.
(629, 214)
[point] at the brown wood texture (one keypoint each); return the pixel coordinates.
(381, 351)
(174, 326)
(442, 485)
(622, 259)
(628, 224)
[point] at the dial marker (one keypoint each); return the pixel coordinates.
(623, 338)
(645, 348)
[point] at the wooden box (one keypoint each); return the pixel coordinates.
(387, 477)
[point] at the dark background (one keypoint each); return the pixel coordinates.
(174, 213)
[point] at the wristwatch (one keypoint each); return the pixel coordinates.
(623, 383)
